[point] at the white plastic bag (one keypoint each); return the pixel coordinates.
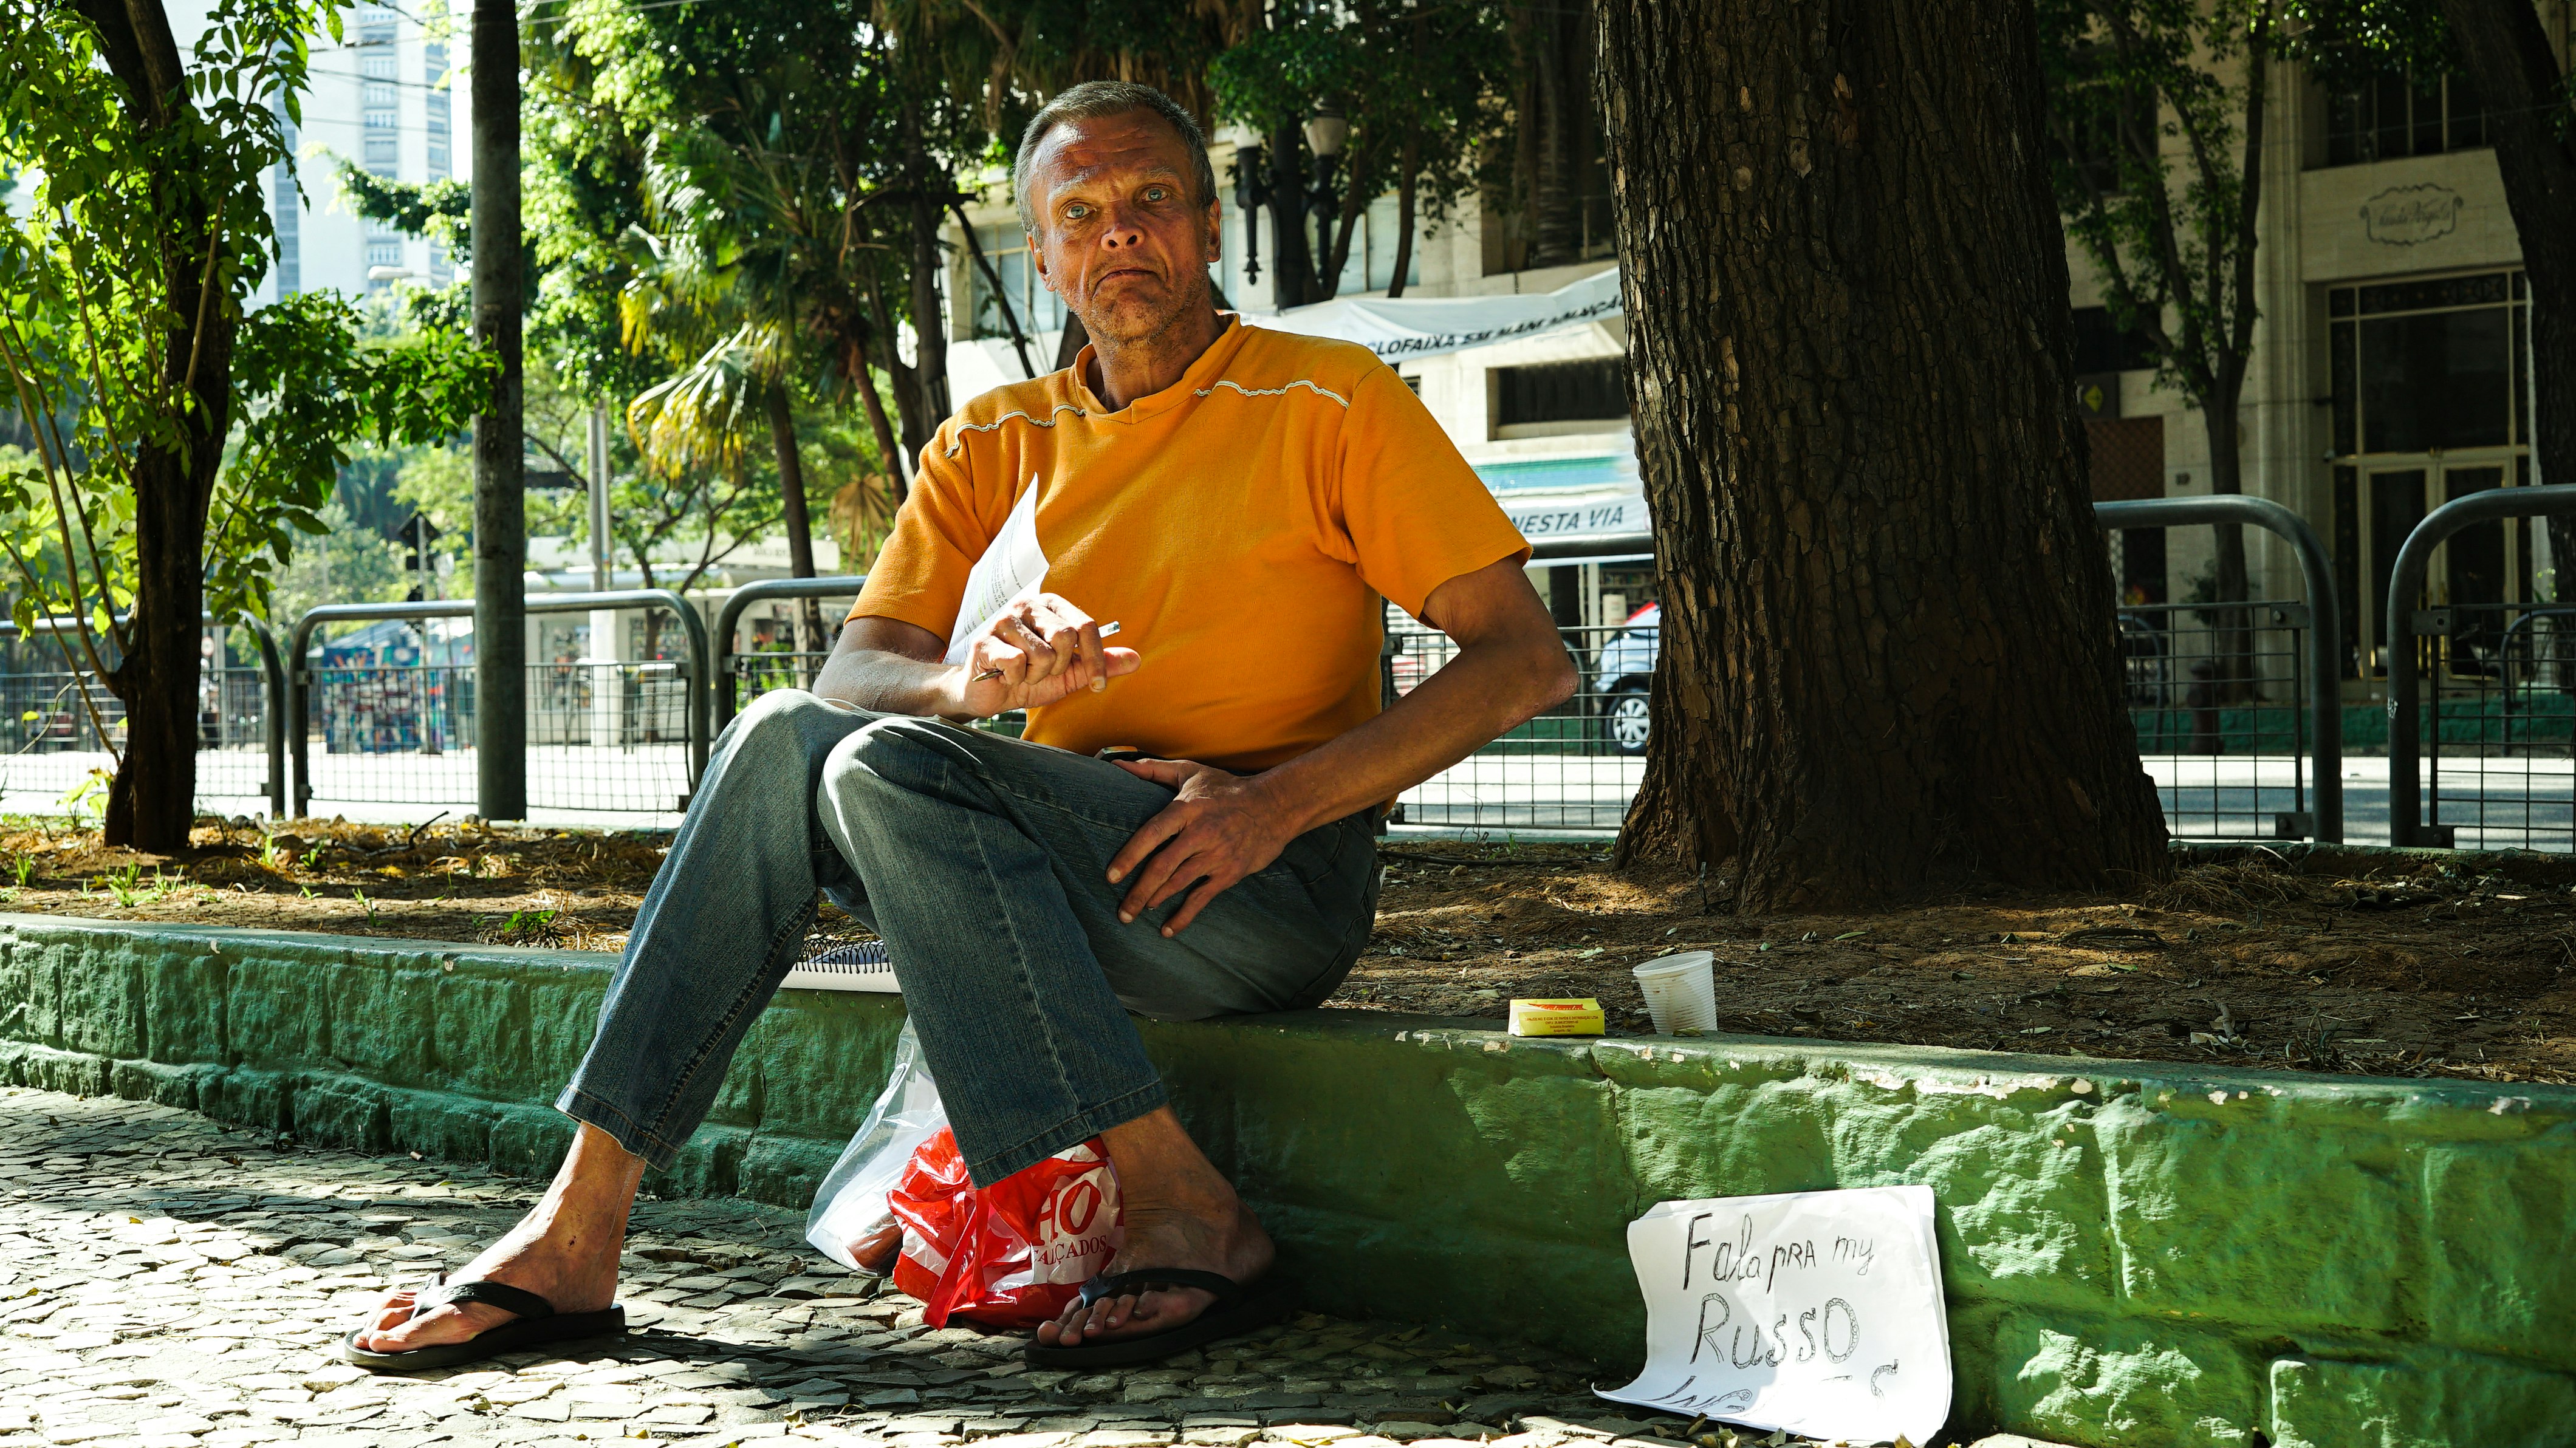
(849, 1220)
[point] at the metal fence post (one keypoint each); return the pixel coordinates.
(2325, 620)
(720, 677)
(2405, 583)
(273, 678)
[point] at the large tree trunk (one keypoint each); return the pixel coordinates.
(2508, 57)
(152, 800)
(1888, 660)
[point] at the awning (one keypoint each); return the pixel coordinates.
(1408, 327)
(1588, 509)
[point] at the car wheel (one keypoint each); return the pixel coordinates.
(1624, 719)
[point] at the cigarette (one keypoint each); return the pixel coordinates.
(1107, 630)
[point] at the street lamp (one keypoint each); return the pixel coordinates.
(1249, 194)
(1326, 131)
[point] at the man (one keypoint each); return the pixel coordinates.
(1237, 500)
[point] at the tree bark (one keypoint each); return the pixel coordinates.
(883, 427)
(1888, 658)
(500, 483)
(2508, 57)
(793, 516)
(1407, 186)
(1292, 264)
(151, 802)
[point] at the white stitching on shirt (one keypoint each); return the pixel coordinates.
(1047, 421)
(1280, 391)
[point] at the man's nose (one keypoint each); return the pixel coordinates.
(1121, 232)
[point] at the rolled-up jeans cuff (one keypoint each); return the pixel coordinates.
(1071, 1132)
(590, 1110)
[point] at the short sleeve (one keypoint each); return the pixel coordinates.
(1416, 514)
(939, 532)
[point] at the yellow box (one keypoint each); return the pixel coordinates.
(1569, 1016)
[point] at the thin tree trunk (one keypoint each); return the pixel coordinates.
(2509, 58)
(887, 444)
(929, 332)
(1292, 267)
(500, 484)
(1888, 657)
(908, 406)
(1407, 185)
(151, 801)
(993, 279)
(2234, 636)
(800, 528)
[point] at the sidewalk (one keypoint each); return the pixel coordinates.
(165, 1283)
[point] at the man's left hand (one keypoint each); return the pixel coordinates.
(1221, 829)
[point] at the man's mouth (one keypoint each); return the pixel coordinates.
(1125, 271)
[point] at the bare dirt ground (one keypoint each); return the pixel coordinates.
(2422, 972)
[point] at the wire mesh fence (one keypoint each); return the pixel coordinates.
(2497, 723)
(59, 739)
(2219, 699)
(383, 708)
(1575, 767)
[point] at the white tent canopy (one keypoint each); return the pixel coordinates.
(1409, 327)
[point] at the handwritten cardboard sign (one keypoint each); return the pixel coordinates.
(1817, 1312)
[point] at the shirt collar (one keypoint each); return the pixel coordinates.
(1201, 375)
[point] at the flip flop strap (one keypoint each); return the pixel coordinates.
(1126, 1284)
(519, 1300)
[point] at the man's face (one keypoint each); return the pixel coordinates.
(1121, 240)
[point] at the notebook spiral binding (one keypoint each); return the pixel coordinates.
(863, 965)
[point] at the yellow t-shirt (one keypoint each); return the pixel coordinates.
(1240, 526)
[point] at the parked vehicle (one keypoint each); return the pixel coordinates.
(1619, 682)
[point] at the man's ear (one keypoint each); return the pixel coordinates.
(1037, 258)
(1215, 233)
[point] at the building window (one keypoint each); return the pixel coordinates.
(2428, 366)
(1560, 397)
(384, 253)
(2102, 347)
(2396, 114)
(381, 147)
(1037, 309)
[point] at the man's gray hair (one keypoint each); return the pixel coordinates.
(1095, 98)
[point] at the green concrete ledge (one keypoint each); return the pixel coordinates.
(2135, 1253)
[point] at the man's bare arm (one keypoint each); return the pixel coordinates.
(1511, 665)
(1035, 654)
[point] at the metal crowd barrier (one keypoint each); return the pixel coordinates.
(425, 711)
(2215, 739)
(762, 670)
(238, 707)
(2504, 675)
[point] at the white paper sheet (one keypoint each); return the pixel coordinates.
(1012, 569)
(1817, 1312)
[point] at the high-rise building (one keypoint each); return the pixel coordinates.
(380, 96)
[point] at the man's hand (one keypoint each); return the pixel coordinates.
(1034, 654)
(1220, 830)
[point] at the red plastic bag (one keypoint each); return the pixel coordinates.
(1011, 1255)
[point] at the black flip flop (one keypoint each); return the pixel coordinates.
(537, 1324)
(1237, 1309)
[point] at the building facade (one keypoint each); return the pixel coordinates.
(382, 96)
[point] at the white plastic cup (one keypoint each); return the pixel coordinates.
(1681, 991)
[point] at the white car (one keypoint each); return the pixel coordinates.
(1620, 681)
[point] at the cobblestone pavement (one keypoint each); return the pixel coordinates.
(165, 1283)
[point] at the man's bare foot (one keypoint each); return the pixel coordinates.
(564, 1250)
(1180, 1212)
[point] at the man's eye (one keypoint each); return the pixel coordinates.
(1076, 212)
(1156, 193)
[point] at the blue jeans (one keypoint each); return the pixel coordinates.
(982, 860)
